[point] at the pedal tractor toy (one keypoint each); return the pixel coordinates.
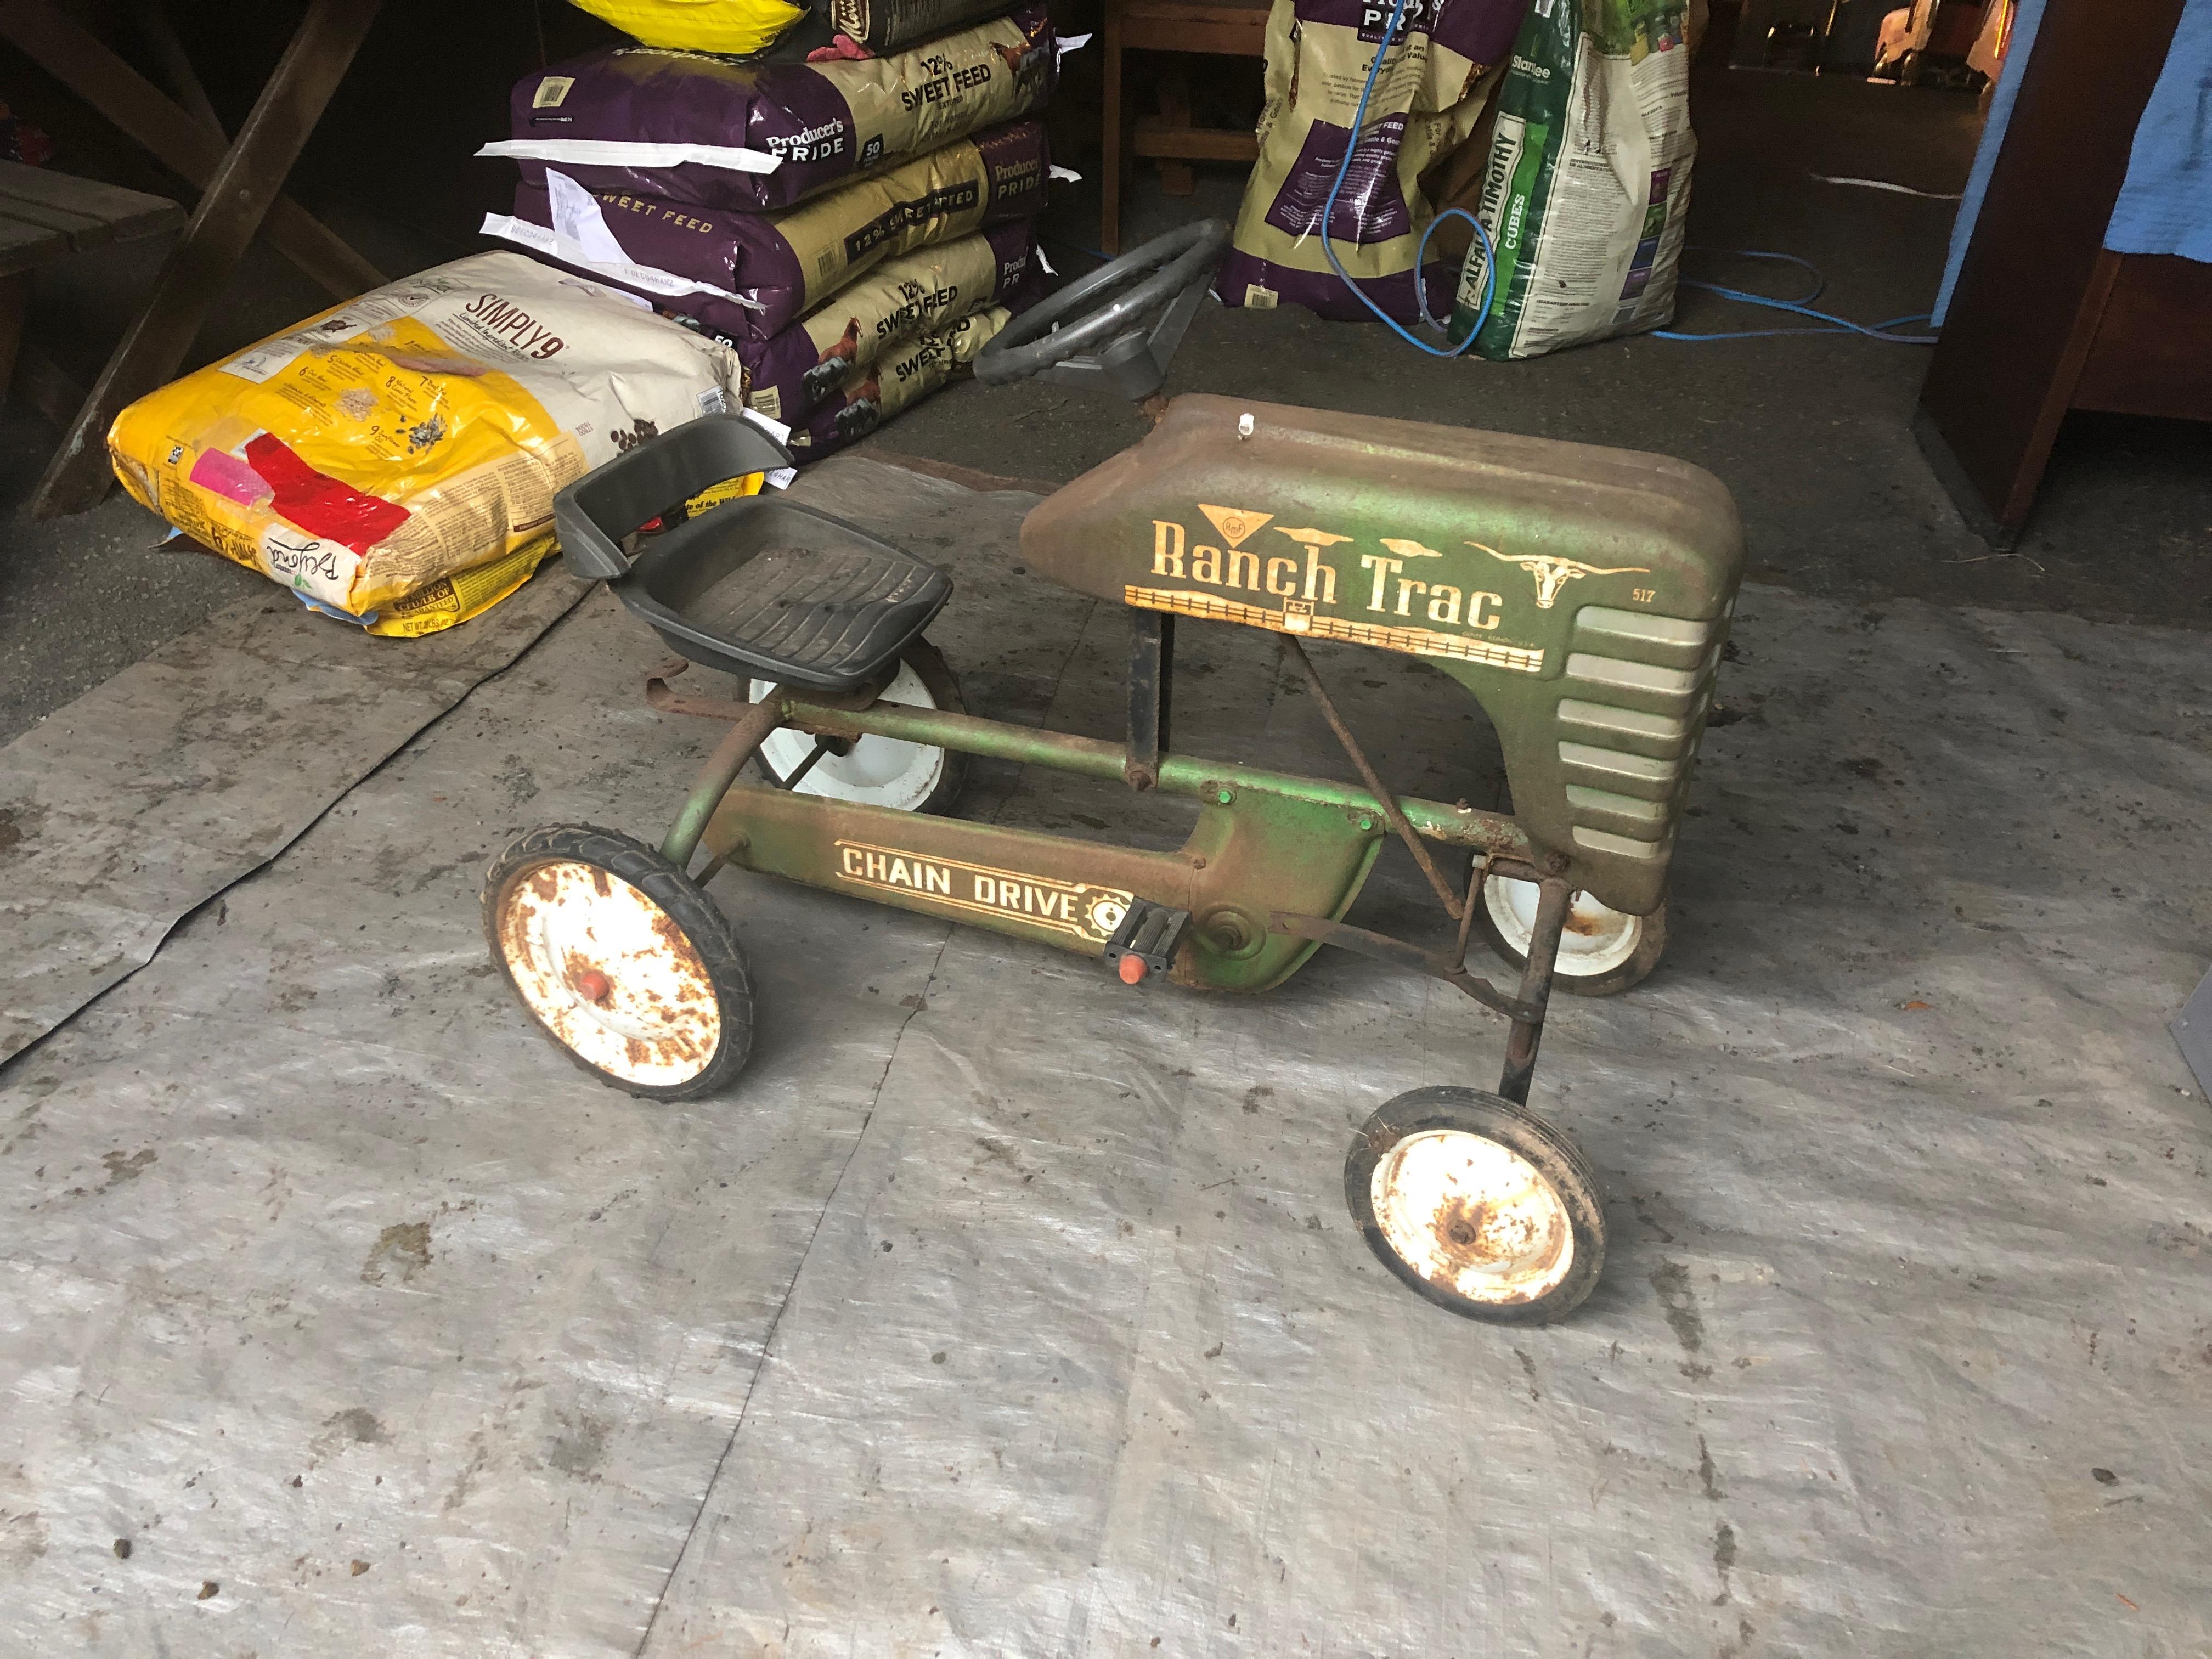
(1581, 595)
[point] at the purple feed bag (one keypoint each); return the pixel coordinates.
(747, 276)
(800, 368)
(683, 126)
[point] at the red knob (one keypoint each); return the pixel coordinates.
(1132, 969)
(593, 986)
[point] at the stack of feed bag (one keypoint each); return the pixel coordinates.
(856, 226)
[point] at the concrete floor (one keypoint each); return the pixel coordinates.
(1001, 1308)
(1812, 434)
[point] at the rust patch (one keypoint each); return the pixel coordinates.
(679, 942)
(1459, 1228)
(599, 881)
(1470, 1233)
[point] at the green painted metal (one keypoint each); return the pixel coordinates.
(721, 770)
(1180, 774)
(697, 812)
(1582, 595)
(1264, 851)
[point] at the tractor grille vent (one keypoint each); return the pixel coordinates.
(1637, 688)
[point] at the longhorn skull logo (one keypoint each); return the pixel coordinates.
(1551, 575)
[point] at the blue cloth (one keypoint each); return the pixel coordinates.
(2165, 205)
(2024, 26)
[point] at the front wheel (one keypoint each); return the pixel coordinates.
(622, 959)
(878, 771)
(1478, 1205)
(1603, 950)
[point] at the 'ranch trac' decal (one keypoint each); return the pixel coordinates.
(975, 889)
(1393, 601)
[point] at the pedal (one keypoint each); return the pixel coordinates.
(1147, 940)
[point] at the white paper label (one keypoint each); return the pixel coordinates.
(555, 246)
(768, 423)
(577, 216)
(622, 153)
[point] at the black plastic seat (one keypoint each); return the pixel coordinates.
(767, 588)
(759, 587)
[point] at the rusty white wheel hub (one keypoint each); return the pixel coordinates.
(878, 771)
(1472, 1216)
(1596, 939)
(610, 974)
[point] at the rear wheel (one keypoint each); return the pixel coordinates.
(1603, 950)
(909, 777)
(1478, 1205)
(622, 959)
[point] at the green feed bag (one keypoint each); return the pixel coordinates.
(1588, 178)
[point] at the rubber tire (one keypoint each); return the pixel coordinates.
(1551, 1149)
(684, 902)
(943, 685)
(1649, 948)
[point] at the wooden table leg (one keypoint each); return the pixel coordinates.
(1177, 178)
(83, 63)
(15, 301)
(1109, 167)
(229, 212)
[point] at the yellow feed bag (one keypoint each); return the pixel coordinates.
(395, 459)
(455, 598)
(738, 26)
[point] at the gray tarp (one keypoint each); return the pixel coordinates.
(197, 765)
(330, 1284)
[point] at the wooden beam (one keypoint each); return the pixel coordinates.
(1159, 139)
(83, 63)
(230, 211)
(175, 62)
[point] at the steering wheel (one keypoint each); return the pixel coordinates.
(1170, 274)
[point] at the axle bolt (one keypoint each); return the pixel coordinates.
(593, 986)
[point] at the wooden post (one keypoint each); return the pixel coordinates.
(2032, 290)
(229, 213)
(1110, 165)
(1177, 178)
(15, 300)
